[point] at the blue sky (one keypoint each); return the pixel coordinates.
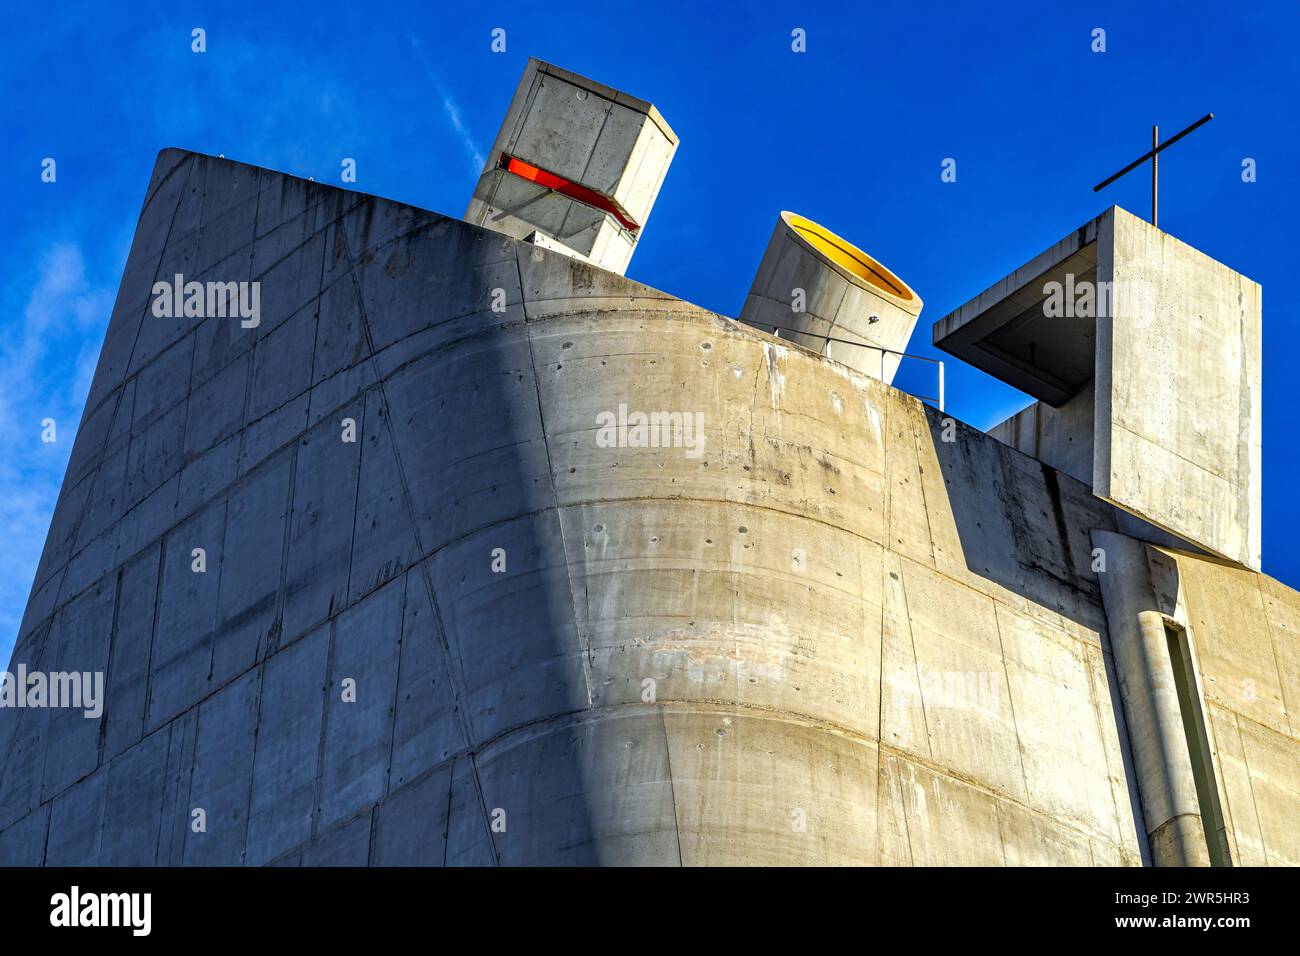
(851, 134)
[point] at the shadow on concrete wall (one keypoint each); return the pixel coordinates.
(1025, 526)
(1020, 523)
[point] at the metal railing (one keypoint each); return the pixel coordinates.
(827, 339)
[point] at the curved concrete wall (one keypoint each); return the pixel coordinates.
(866, 644)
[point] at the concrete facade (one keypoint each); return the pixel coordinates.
(1061, 437)
(849, 630)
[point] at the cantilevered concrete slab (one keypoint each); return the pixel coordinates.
(1145, 355)
(1006, 332)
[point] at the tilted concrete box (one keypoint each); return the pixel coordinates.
(1145, 355)
(825, 294)
(576, 161)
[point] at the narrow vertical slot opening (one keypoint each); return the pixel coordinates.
(1198, 746)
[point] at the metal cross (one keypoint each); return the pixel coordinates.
(1156, 147)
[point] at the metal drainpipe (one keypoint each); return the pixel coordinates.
(1149, 692)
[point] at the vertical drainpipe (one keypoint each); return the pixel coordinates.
(1149, 692)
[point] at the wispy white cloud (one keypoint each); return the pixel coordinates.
(46, 362)
(452, 109)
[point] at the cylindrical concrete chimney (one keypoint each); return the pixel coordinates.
(813, 288)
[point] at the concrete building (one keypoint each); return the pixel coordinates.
(465, 550)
